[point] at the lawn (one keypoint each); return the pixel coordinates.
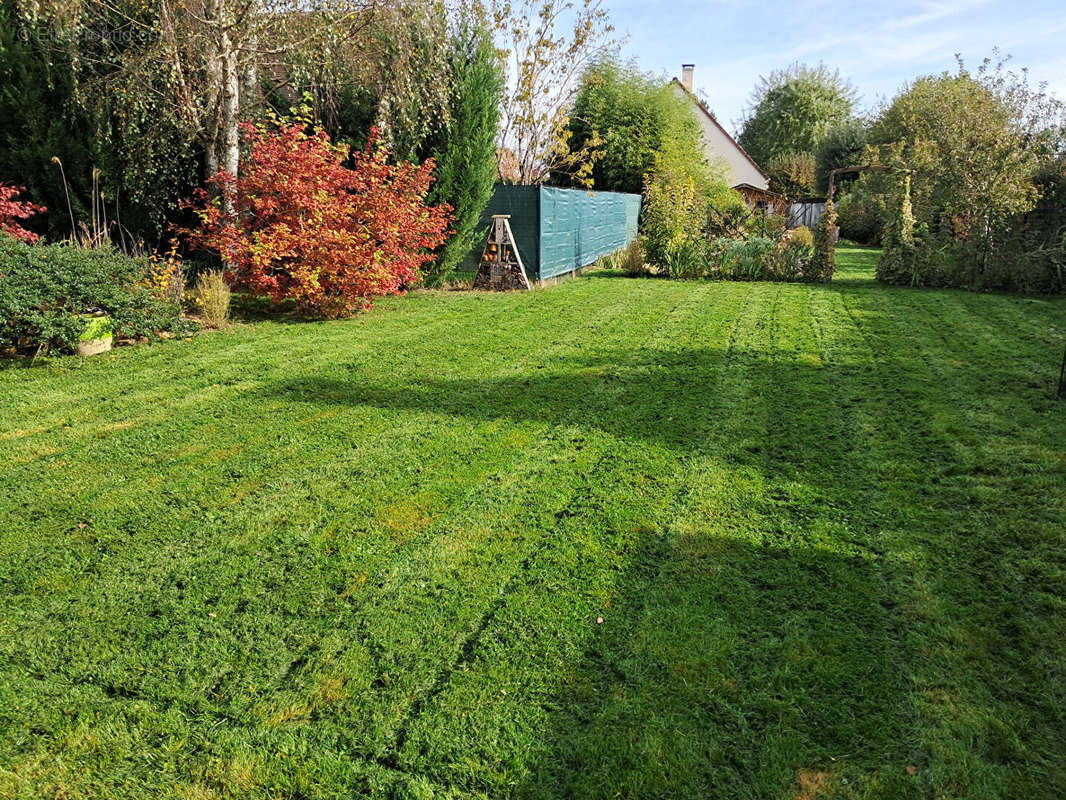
(624, 538)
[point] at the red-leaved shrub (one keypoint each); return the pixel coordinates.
(307, 228)
(12, 210)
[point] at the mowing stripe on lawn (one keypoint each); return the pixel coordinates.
(190, 507)
(474, 555)
(199, 551)
(278, 452)
(615, 525)
(961, 504)
(702, 658)
(649, 310)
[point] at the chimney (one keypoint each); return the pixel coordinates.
(686, 75)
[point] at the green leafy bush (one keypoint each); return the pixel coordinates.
(45, 291)
(124, 126)
(802, 238)
(1021, 253)
(1020, 262)
(823, 260)
(969, 153)
(861, 215)
(759, 259)
(730, 217)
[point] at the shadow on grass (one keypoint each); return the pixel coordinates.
(743, 665)
(248, 308)
(728, 668)
(818, 616)
(653, 395)
(726, 663)
(21, 362)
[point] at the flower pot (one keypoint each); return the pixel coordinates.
(97, 337)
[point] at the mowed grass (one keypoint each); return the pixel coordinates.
(823, 527)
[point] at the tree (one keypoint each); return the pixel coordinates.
(978, 147)
(304, 227)
(396, 75)
(973, 160)
(792, 174)
(842, 146)
(794, 109)
(466, 155)
(199, 64)
(627, 116)
(39, 120)
(545, 65)
(63, 95)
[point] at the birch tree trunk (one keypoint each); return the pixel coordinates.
(214, 70)
(230, 150)
(251, 91)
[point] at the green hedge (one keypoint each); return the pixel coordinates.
(1024, 264)
(46, 289)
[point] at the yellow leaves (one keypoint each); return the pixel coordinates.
(547, 63)
(165, 277)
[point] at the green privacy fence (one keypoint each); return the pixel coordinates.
(560, 230)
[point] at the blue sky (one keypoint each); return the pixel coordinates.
(878, 45)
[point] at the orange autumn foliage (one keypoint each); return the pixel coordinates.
(298, 224)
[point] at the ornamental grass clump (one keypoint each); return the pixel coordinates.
(211, 298)
(631, 259)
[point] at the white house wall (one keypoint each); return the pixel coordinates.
(720, 149)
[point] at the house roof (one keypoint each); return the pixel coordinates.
(749, 188)
(700, 104)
